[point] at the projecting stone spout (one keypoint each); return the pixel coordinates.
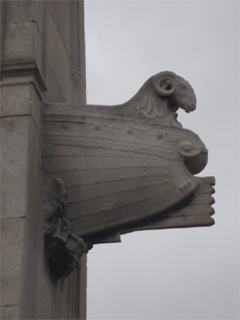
(130, 166)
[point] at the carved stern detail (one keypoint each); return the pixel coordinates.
(63, 248)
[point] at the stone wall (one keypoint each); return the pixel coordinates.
(43, 59)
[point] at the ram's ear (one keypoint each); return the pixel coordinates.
(164, 86)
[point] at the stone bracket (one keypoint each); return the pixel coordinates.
(126, 168)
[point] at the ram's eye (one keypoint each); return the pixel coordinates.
(182, 86)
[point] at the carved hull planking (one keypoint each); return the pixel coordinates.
(118, 170)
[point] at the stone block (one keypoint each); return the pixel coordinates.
(22, 43)
(3, 13)
(16, 99)
(15, 133)
(18, 267)
(12, 312)
(18, 44)
(15, 12)
(19, 100)
(23, 73)
(12, 252)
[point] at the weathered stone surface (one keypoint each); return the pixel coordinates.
(81, 63)
(18, 267)
(45, 294)
(20, 99)
(58, 10)
(18, 41)
(65, 75)
(64, 311)
(39, 16)
(15, 12)
(125, 164)
(22, 43)
(81, 294)
(15, 150)
(54, 92)
(196, 212)
(16, 155)
(12, 312)
(25, 72)
(60, 63)
(16, 100)
(29, 39)
(79, 96)
(12, 252)
(38, 50)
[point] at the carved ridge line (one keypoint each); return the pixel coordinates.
(98, 169)
(116, 193)
(146, 179)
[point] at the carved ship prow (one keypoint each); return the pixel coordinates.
(123, 166)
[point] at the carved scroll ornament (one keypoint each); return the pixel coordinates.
(63, 248)
(131, 166)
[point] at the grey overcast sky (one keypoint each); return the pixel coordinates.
(178, 273)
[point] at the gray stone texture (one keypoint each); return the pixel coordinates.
(42, 60)
(129, 166)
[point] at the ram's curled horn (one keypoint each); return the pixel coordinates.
(164, 85)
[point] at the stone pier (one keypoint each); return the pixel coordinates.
(43, 60)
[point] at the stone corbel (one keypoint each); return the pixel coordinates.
(128, 167)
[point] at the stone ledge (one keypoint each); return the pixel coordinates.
(16, 68)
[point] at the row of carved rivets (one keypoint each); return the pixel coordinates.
(98, 181)
(100, 195)
(64, 128)
(95, 154)
(74, 168)
(124, 204)
(108, 206)
(79, 151)
(124, 190)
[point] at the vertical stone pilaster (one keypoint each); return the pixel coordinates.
(42, 59)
